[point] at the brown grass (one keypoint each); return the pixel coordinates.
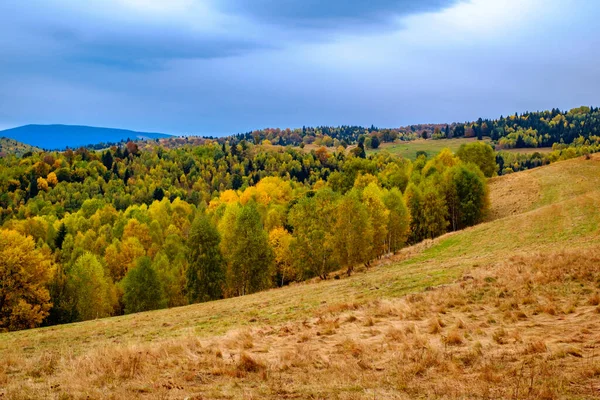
(543, 356)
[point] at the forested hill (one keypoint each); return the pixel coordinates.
(59, 137)
(11, 146)
(126, 230)
(527, 130)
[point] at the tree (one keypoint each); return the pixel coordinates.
(171, 275)
(142, 291)
(312, 247)
(33, 186)
(60, 236)
(107, 159)
(24, 274)
(359, 151)
(466, 195)
(375, 142)
(398, 221)
(280, 241)
(252, 257)
(435, 212)
(353, 233)
(52, 179)
(206, 271)
(414, 201)
(92, 293)
(372, 198)
(480, 154)
(158, 194)
(122, 256)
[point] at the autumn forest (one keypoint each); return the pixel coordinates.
(136, 226)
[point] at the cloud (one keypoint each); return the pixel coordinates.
(331, 14)
(218, 67)
(126, 34)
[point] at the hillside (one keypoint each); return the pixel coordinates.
(73, 136)
(11, 146)
(505, 309)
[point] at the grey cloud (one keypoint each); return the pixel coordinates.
(65, 36)
(150, 50)
(336, 14)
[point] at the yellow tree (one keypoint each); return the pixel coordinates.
(122, 256)
(280, 241)
(398, 221)
(24, 273)
(372, 198)
(52, 179)
(353, 233)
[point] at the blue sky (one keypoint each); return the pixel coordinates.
(218, 67)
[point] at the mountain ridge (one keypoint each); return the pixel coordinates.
(62, 136)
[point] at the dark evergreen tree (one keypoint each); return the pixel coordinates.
(60, 236)
(158, 194)
(107, 159)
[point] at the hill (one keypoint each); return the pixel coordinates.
(59, 137)
(505, 309)
(11, 146)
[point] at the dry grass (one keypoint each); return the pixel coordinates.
(545, 356)
(510, 311)
(517, 193)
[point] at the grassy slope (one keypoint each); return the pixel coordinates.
(557, 210)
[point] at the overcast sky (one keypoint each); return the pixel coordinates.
(226, 66)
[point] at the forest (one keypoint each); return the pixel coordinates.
(162, 223)
(89, 234)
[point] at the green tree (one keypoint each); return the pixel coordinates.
(467, 195)
(353, 239)
(92, 293)
(435, 212)
(372, 198)
(312, 245)
(414, 202)
(172, 279)
(480, 154)
(206, 271)
(142, 291)
(398, 221)
(252, 257)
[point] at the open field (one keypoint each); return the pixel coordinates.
(431, 147)
(505, 309)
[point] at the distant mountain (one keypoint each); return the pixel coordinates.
(59, 137)
(11, 146)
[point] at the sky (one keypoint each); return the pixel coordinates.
(216, 67)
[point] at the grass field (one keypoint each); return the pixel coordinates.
(431, 147)
(505, 309)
